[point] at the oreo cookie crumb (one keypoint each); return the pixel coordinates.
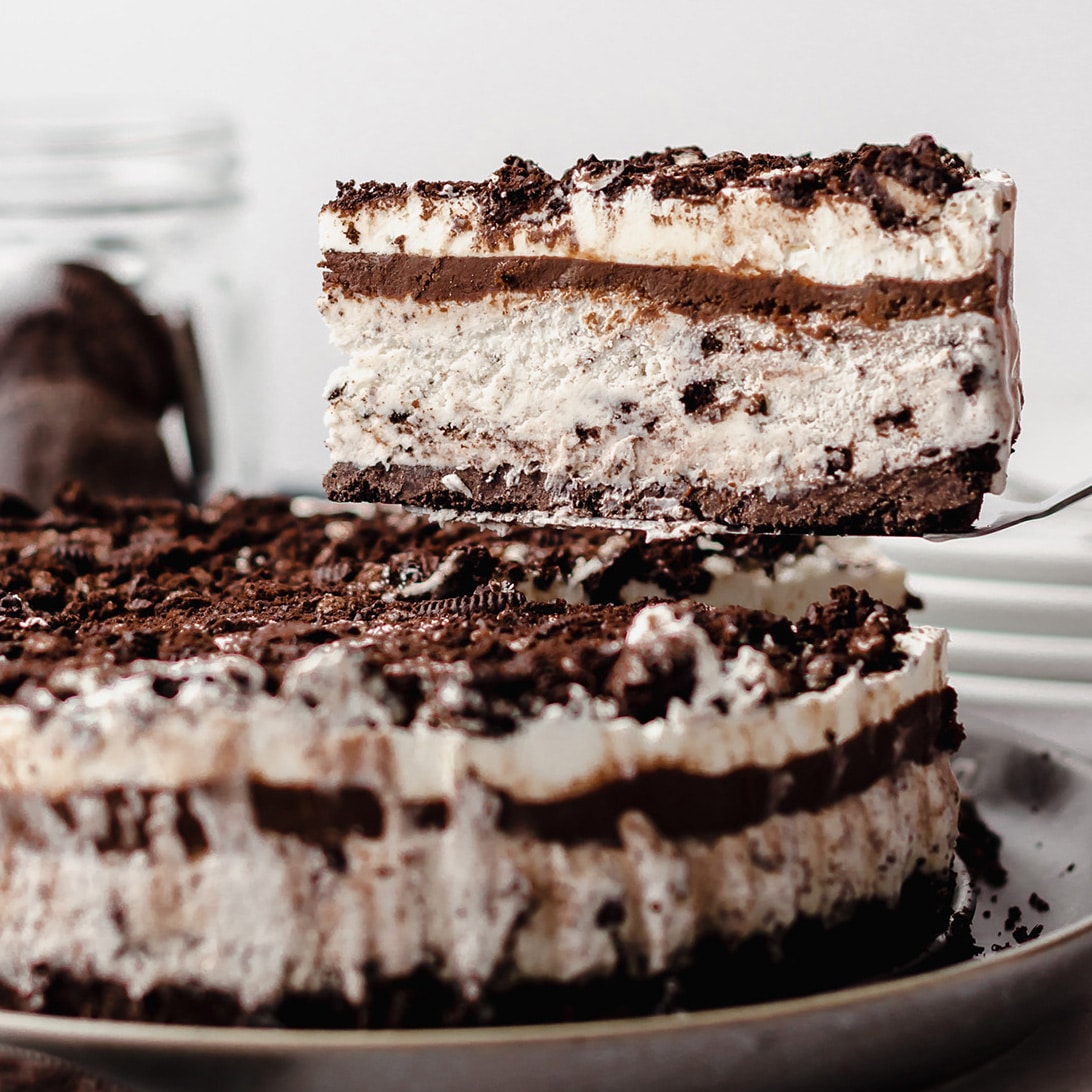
(979, 848)
(1022, 934)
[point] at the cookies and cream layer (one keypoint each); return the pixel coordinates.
(120, 888)
(646, 406)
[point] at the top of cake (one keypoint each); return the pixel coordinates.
(913, 212)
(102, 585)
(520, 188)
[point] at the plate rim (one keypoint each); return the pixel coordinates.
(89, 1033)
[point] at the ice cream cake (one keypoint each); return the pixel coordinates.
(236, 787)
(679, 340)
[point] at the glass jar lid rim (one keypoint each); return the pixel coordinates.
(96, 155)
(101, 124)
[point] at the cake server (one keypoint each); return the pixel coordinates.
(999, 512)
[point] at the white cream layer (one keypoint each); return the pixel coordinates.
(508, 380)
(835, 241)
(258, 914)
(334, 724)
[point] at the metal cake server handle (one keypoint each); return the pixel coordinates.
(1000, 512)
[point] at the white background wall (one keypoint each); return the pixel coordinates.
(445, 90)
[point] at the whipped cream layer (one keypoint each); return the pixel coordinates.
(337, 722)
(256, 914)
(787, 585)
(636, 403)
(836, 240)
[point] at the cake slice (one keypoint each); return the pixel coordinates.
(677, 341)
(231, 792)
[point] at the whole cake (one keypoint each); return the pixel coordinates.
(236, 788)
(676, 340)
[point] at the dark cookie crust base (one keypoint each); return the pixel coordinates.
(874, 941)
(941, 496)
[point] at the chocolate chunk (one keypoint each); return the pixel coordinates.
(166, 688)
(320, 818)
(699, 395)
(902, 418)
(611, 913)
(796, 188)
(839, 460)
(1022, 934)
(643, 682)
(970, 382)
(352, 196)
(431, 816)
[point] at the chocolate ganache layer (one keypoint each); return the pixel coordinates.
(701, 294)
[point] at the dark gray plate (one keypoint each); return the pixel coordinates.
(897, 1034)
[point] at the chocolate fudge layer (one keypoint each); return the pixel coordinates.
(481, 792)
(766, 342)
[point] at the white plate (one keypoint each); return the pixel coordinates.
(981, 652)
(919, 1028)
(1057, 550)
(1055, 610)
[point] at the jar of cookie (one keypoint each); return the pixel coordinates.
(122, 348)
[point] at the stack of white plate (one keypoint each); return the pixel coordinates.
(1018, 604)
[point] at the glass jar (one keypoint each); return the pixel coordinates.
(122, 346)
